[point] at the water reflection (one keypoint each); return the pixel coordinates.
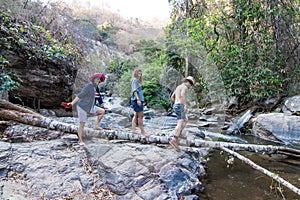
(241, 182)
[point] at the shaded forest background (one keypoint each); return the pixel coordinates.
(242, 53)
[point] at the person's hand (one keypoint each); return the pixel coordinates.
(103, 107)
(139, 102)
(185, 109)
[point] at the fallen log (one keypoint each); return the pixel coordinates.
(23, 115)
(263, 170)
(37, 120)
(10, 106)
(34, 119)
(236, 126)
(44, 122)
(246, 147)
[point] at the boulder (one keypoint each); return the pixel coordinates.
(42, 86)
(291, 105)
(277, 127)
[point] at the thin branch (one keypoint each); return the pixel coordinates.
(263, 170)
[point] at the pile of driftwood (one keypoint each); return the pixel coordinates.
(12, 112)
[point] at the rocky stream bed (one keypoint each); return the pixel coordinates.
(38, 163)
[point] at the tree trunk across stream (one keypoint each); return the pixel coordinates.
(10, 111)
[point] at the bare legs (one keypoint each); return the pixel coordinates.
(138, 120)
(80, 133)
(100, 114)
(134, 123)
(181, 126)
(181, 123)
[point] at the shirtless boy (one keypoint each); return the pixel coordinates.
(180, 108)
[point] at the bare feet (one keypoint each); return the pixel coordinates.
(134, 132)
(81, 144)
(174, 143)
(182, 136)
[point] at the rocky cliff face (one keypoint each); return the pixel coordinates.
(44, 67)
(42, 86)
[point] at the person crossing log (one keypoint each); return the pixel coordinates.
(9, 111)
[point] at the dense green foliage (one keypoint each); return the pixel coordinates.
(154, 96)
(251, 62)
(254, 45)
(6, 82)
(149, 57)
(44, 46)
(249, 50)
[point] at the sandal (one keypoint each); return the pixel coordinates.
(66, 105)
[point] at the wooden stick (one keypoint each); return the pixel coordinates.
(263, 170)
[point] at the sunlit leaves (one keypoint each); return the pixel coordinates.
(6, 81)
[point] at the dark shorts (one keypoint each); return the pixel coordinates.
(136, 107)
(178, 108)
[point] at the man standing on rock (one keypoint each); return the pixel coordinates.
(85, 101)
(180, 108)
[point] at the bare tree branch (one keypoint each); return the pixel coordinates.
(263, 170)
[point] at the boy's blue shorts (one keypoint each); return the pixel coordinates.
(178, 108)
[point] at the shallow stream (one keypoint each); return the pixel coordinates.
(239, 181)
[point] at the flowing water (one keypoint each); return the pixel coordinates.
(239, 181)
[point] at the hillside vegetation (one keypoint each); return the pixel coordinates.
(235, 49)
(40, 38)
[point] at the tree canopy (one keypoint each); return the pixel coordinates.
(244, 49)
(253, 44)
